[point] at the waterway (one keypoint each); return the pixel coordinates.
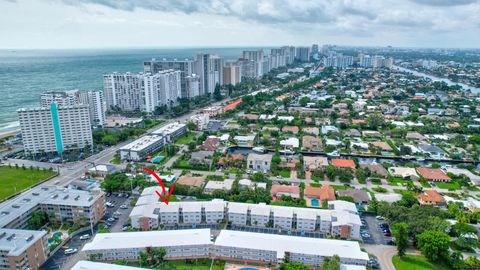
(473, 89)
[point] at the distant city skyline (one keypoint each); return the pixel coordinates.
(28, 24)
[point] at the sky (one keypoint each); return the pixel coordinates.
(42, 24)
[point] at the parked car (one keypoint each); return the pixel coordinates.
(123, 206)
(125, 228)
(388, 233)
(85, 237)
(70, 251)
(380, 218)
(111, 219)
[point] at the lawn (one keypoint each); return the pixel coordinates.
(19, 179)
(201, 264)
(338, 187)
(284, 173)
(404, 191)
(412, 262)
(185, 139)
(397, 181)
(450, 186)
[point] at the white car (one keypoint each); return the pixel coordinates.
(70, 251)
(85, 237)
(123, 206)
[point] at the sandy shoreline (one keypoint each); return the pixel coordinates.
(9, 133)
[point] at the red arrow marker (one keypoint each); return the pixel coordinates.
(160, 182)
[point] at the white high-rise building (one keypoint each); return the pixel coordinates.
(96, 104)
(209, 67)
(94, 99)
(232, 74)
(62, 98)
(380, 61)
(192, 85)
(303, 54)
(162, 88)
(365, 61)
(186, 68)
(338, 61)
(142, 92)
(255, 55)
(123, 91)
(55, 128)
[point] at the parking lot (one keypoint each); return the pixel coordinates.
(372, 231)
(60, 260)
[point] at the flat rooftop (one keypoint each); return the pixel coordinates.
(169, 128)
(124, 240)
(12, 209)
(293, 244)
(15, 242)
(88, 265)
(142, 143)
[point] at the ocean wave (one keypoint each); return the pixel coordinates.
(9, 126)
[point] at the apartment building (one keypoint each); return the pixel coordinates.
(55, 128)
(22, 249)
(140, 148)
(209, 67)
(61, 203)
(229, 245)
(171, 131)
(274, 249)
(200, 120)
(161, 89)
(96, 106)
(178, 244)
(186, 68)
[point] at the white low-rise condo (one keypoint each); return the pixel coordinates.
(140, 148)
(341, 219)
(179, 244)
(239, 246)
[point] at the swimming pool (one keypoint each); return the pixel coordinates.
(314, 202)
(248, 268)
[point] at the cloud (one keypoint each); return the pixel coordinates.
(445, 2)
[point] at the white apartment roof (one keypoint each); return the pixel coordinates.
(146, 210)
(142, 143)
(12, 209)
(15, 242)
(88, 265)
(238, 208)
(260, 209)
(245, 182)
(169, 129)
(340, 205)
(282, 212)
(130, 240)
(284, 243)
(352, 267)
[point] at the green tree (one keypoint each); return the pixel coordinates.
(400, 231)
(191, 126)
(472, 263)
(331, 263)
(217, 94)
(376, 121)
(37, 220)
(434, 245)
(293, 266)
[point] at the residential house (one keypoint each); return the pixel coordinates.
(375, 168)
(225, 185)
(432, 174)
(312, 143)
(403, 172)
(344, 164)
(278, 191)
(311, 163)
(192, 181)
(259, 162)
(291, 129)
(245, 141)
(320, 194)
(359, 196)
(212, 143)
(290, 143)
(431, 197)
(311, 130)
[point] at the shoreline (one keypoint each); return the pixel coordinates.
(9, 133)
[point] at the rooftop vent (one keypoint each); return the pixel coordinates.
(15, 206)
(2, 235)
(54, 196)
(11, 237)
(5, 213)
(35, 194)
(29, 238)
(90, 198)
(78, 197)
(65, 197)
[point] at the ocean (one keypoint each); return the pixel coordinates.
(24, 74)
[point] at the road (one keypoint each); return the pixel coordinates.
(383, 253)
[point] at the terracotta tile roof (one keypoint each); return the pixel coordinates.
(322, 193)
(188, 180)
(211, 144)
(343, 163)
(284, 189)
(250, 116)
(375, 168)
(430, 197)
(293, 129)
(433, 174)
(232, 104)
